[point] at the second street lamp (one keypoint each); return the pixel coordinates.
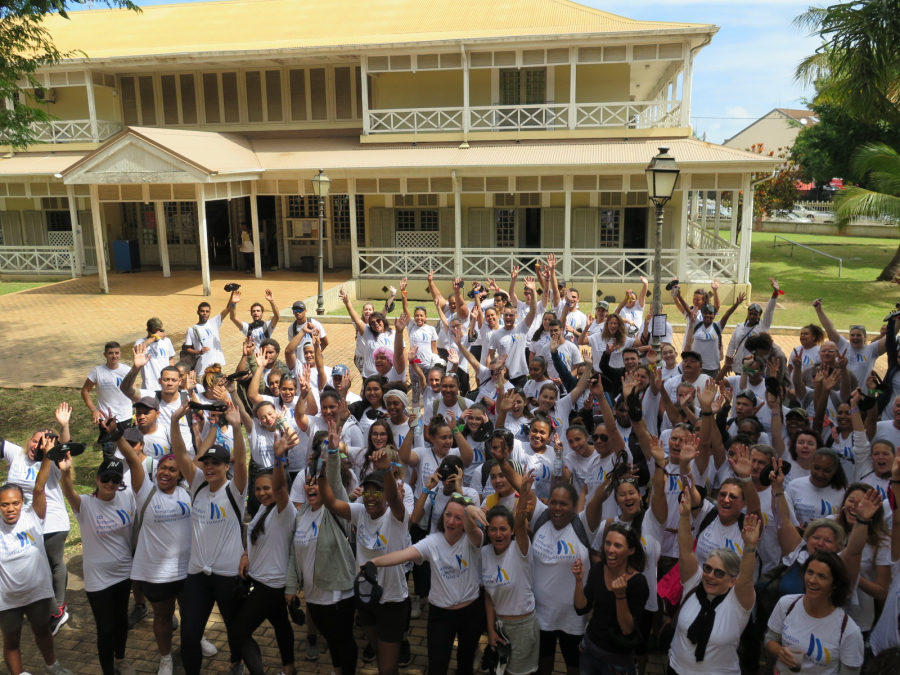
(321, 185)
(662, 175)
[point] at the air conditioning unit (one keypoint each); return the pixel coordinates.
(304, 228)
(45, 95)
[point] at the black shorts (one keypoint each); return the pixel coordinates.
(391, 619)
(162, 592)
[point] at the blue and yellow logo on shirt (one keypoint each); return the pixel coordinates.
(216, 512)
(564, 548)
(817, 651)
(501, 574)
(461, 562)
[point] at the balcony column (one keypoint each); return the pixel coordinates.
(743, 271)
(364, 92)
(354, 242)
(457, 227)
(567, 235)
(97, 220)
(204, 239)
(687, 85)
(735, 197)
(77, 236)
(573, 54)
(92, 106)
(465, 121)
(162, 237)
(254, 229)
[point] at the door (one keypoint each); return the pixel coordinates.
(634, 233)
(34, 232)
(11, 228)
(584, 228)
(553, 229)
(181, 232)
(522, 86)
(90, 249)
(480, 227)
(381, 228)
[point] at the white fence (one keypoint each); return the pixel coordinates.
(47, 260)
(632, 115)
(74, 131)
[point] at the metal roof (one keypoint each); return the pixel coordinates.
(37, 164)
(260, 25)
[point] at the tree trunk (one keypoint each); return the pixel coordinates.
(892, 270)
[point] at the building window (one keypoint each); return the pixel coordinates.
(59, 221)
(506, 227)
(139, 222)
(360, 218)
(303, 207)
(406, 220)
(340, 208)
(610, 228)
(428, 219)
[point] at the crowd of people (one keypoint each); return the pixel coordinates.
(558, 482)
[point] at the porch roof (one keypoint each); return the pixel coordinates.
(37, 163)
(265, 25)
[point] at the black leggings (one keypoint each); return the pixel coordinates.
(55, 546)
(421, 574)
(201, 592)
(264, 602)
(110, 610)
(466, 625)
(335, 623)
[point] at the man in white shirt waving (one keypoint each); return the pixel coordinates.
(203, 338)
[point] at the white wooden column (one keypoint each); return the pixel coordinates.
(254, 226)
(567, 235)
(466, 121)
(354, 242)
(162, 237)
(457, 228)
(204, 239)
(687, 85)
(743, 270)
(92, 106)
(97, 220)
(77, 234)
(364, 92)
(735, 197)
(573, 66)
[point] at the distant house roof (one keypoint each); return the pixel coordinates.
(265, 25)
(804, 117)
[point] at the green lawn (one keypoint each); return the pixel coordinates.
(16, 286)
(24, 411)
(854, 297)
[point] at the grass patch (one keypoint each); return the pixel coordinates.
(24, 411)
(7, 287)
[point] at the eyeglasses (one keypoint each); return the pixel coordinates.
(601, 437)
(111, 479)
(717, 573)
(467, 500)
(379, 434)
(372, 494)
(371, 321)
(862, 328)
(684, 425)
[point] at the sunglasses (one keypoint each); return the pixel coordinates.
(601, 437)
(372, 494)
(111, 479)
(717, 573)
(467, 500)
(862, 328)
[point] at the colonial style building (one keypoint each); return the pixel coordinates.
(462, 137)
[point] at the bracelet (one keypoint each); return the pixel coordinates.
(749, 549)
(863, 522)
(659, 467)
(459, 429)
(854, 410)
(746, 479)
(704, 413)
(283, 460)
(895, 481)
(621, 597)
(778, 494)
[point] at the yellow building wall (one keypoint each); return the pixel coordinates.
(599, 82)
(19, 204)
(562, 77)
(71, 104)
(107, 104)
(581, 199)
(431, 89)
(480, 87)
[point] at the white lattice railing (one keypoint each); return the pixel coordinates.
(61, 238)
(74, 131)
(415, 120)
(37, 260)
(611, 265)
(498, 118)
(699, 237)
(632, 115)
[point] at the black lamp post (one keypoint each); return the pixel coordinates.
(662, 175)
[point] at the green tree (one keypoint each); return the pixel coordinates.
(25, 46)
(879, 165)
(778, 193)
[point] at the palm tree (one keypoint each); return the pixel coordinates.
(879, 165)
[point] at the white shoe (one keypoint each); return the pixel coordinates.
(208, 648)
(165, 665)
(57, 669)
(416, 609)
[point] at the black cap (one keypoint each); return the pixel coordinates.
(133, 435)
(449, 466)
(691, 355)
(219, 452)
(299, 306)
(375, 477)
(150, 402)
(112, 467)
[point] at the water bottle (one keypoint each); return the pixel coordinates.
(558, 462)
(417, 430)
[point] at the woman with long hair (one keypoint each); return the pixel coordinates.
(375, 333)
(820, 492)
(613, 335)
(538, 376)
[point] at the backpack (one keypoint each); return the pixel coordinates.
(710, 517)
(460, 401)
(139, 520)
(231, 499)
(185, 355)
(716, 327)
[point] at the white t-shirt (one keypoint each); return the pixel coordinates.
(633, 314)
(455, 569)
(716, 535)
(164, 542)
(721, 651)
(23, 472)
(165, 417)
(824, 650)
(109, 396)
(598, 347)
(886, 430)
(374, 538)
(810, 502)
(809, 356)
(768, 548)
(860, 362)
(568, 352)
(886, 633)
(160, 353)
(512, 343)
(306, 339)
(371, 342)
(707, 342)
(258, 334)
(262, 446)
(209, 337)
(863, 611)
(216, 545)
(158, 443)
(422, 337)
(553, 553)
(268, 557)
(306, 539)
(24, 570)
(507, 577)
(592, 471)
(106, 538)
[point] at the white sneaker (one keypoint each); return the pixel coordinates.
(416, 609)
(237, 668)
(57, 669)
(208, 648)
(165, 665)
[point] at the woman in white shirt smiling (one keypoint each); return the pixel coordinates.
(456, 609)
(217, 509)
(106, 517)
(26, 590)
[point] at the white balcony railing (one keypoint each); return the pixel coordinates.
(513, 117)
(37, 260)
(415, 120)
(631, 115)
(702, 238)
(611, 265)
(74, 131)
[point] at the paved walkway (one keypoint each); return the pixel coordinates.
(76, 644)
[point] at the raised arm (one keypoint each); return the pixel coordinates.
(38, 495)
(462, 309)
(139, 360)
(354, 317)
(182, 458)
(381, 462)
(727, 315)
(239, 453)
(465, 450)
(554, 284)
(233, 299)
(532, 302)
(275, 316)
(338, 507)
(279, 481)
(687, 560)
(642, 297)
(255, 381)
(788, 535)
(400, 344)
(407, 455)
(513, 276)
(321, 379)
(135, 465)
(67, 483)
(659, 505)
(743, 588)
(826, 322)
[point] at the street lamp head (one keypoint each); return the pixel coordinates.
(662, 175)
(321, 184)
